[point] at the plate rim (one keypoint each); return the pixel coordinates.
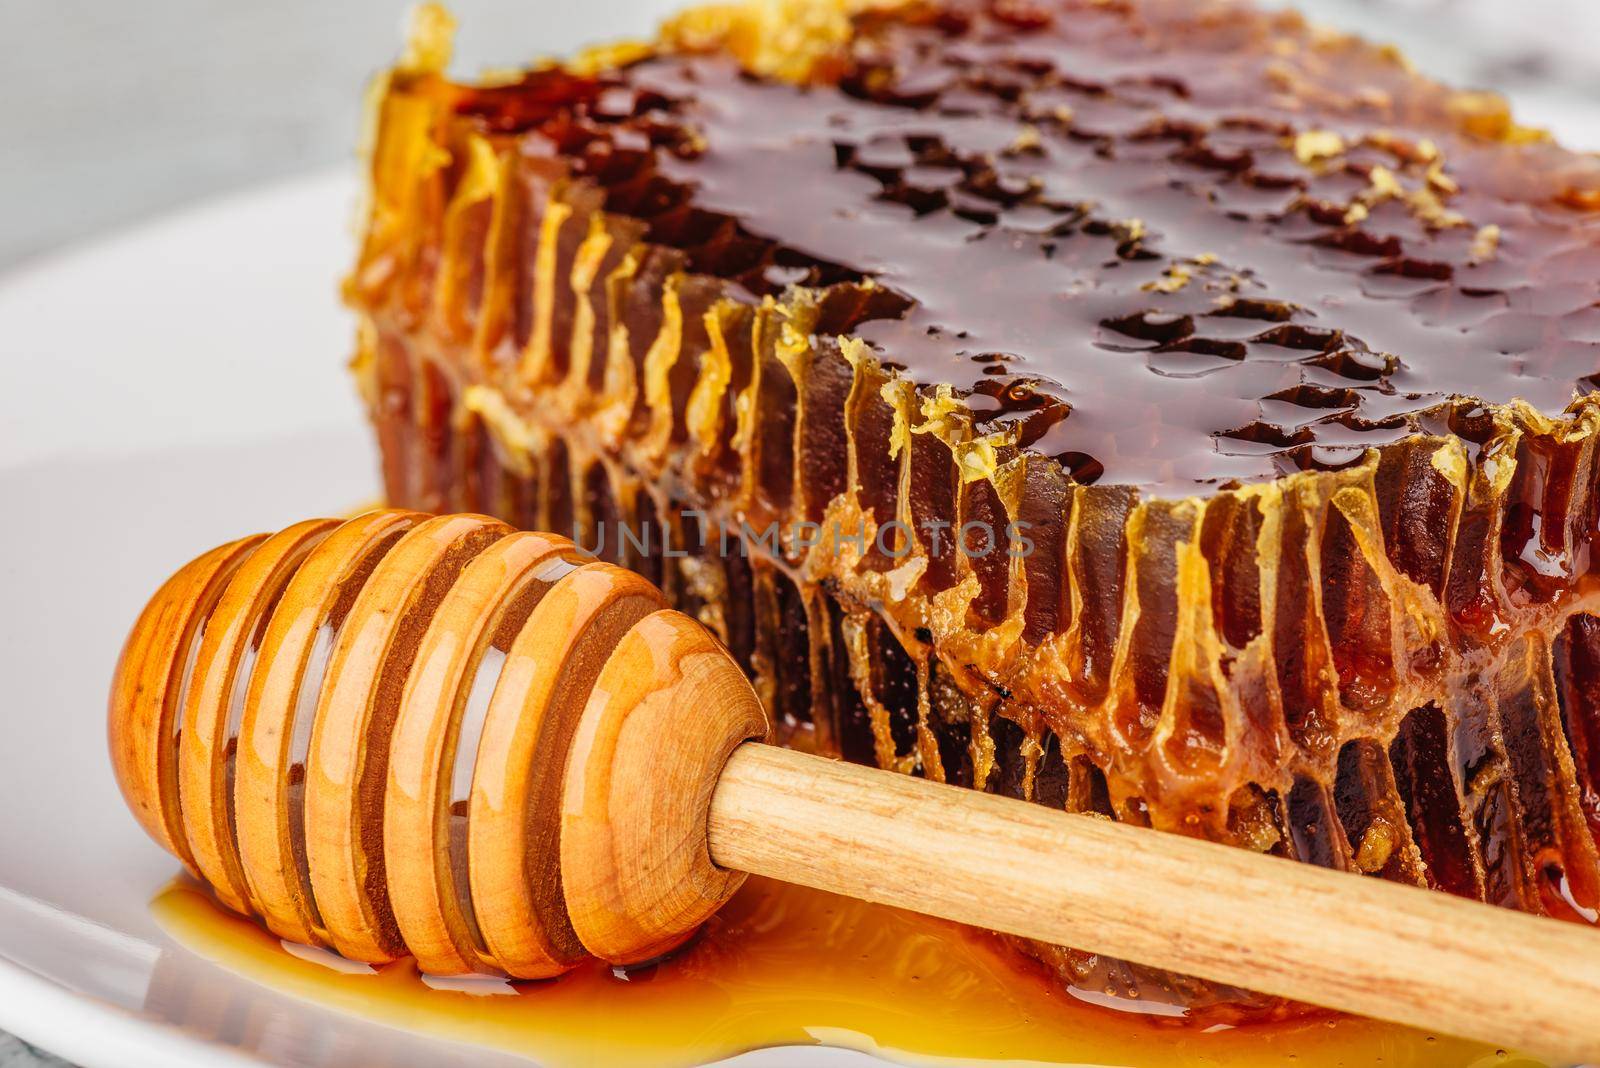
(51, 1017)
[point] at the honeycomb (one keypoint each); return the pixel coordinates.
(1169, 411)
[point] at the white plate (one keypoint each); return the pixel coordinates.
(160, 393)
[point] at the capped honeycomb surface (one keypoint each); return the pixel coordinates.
(1167, 411)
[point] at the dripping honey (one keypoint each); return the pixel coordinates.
(787, 966)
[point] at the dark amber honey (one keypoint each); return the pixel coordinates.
(786, 966)
(1283, 353)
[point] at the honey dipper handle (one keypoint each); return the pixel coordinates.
(1360, 945)
(670, 797)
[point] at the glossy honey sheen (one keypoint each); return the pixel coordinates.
(781, 966)
(1169, 248)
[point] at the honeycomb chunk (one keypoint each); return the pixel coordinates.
(1165, 411)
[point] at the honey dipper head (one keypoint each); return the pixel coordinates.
(432, 735)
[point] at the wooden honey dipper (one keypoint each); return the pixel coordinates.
(434, 735)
